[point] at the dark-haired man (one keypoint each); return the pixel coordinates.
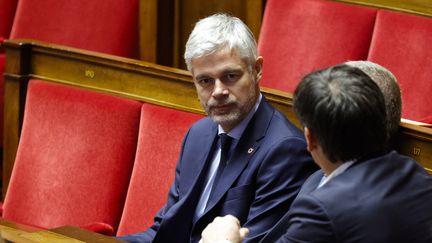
(362, 192)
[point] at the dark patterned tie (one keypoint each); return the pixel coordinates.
(225, 144)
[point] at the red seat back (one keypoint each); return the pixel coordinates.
(161, 133)
(74, 159)
(7, 13)
(298, 36)
(108, 26)
(401, 42)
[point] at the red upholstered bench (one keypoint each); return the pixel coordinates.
(107, 26)
(93, 160)
(401, 42)
(74, 159)
(161, 132)
(298, 36)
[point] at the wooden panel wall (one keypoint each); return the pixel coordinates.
(190, 11)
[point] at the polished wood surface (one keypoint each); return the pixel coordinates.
(8, 234)
(148, 16)
(14, 232)
(83, 235)
(136, 80)
(21, 227)
(421, 7)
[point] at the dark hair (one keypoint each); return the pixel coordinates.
(345, 110)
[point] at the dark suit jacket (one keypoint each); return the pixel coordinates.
(385, 199)
(265, 172)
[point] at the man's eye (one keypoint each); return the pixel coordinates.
(205, 81)
(232, 77)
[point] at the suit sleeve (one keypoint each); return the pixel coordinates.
(308, 222)
(284, 168)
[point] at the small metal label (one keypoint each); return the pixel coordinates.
(416, 151)
(89, 73)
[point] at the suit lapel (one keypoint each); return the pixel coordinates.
(246, 147)
(200, 158)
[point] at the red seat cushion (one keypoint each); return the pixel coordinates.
(74, 159)
(401, 42)
(298, 36)
(161, 133)
(108, 26)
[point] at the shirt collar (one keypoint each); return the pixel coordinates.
(339, 170)
(238, 130)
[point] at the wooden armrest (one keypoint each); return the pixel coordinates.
(416, 123)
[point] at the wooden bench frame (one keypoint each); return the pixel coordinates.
(419, 7)
(134, 79)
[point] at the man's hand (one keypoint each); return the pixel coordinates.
(224, 229)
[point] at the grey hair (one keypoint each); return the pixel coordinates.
(216, 32)
(388, 84)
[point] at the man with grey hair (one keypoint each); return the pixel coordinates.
(245, 159)
(388, 85)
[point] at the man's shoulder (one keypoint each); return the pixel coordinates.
(279, 120)
(369, 192)
(275, 127)
(280, 126)
(203, 124)
(386, 180)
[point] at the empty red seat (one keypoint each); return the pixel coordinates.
(108, 26)
(401, 42)
(74, 159)
(161, 133)
(298, 36)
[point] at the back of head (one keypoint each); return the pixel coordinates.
(220, 31)
(390, 88)
(344, 109)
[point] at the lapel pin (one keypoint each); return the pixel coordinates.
(250, 150)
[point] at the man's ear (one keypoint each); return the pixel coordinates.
(311, 140)
(258, 68)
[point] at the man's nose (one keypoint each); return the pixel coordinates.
(220, 89)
